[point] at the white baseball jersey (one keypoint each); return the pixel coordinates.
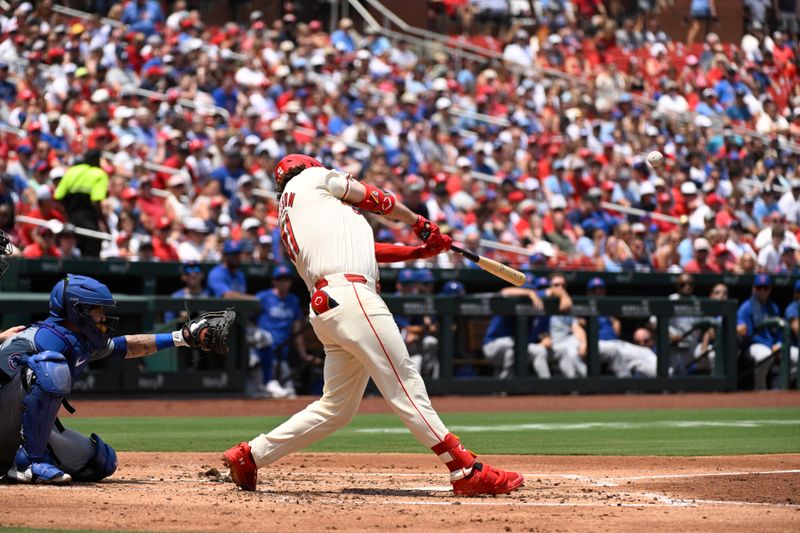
(306, 210)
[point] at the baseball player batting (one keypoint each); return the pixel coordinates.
(332, 246)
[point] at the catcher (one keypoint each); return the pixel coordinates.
(39, 364)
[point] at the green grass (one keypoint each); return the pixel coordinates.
(661, 432)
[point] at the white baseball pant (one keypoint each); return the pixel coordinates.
(623, 357)
(569, 361)
(425, 356)
(501, 352)
(361, 340)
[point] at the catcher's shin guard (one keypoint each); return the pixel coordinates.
(244, 471)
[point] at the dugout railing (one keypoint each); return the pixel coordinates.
(157, 278)
(188, 371)
(453, 313)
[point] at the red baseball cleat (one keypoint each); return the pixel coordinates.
(485, 479)
(244, 471)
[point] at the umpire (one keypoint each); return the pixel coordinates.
(81, 191)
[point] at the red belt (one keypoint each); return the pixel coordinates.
(354, 278)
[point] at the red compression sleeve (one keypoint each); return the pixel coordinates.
(376, 201)
(390, 253)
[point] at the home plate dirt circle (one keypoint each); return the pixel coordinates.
(330, 492)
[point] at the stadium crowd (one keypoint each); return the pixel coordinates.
(525, 149)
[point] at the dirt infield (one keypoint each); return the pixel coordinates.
(347, 492)
(367, 492)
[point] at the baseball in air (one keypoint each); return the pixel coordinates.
(655, 158)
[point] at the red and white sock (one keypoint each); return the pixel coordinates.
(458, 459)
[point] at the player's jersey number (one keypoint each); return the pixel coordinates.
(288, 238)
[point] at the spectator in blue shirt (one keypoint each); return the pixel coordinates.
(726, 88)
(342, 39)
(229, 173)
(760, 343)
(556, 183)
(766, 204)
(406, 286)
(226, 96)
(143, 16)
(738, 110)
(226, 280)
(283, 319)
(192, 277)
(709, 106)
(8, 90)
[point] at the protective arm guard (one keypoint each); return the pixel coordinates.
(376, 201)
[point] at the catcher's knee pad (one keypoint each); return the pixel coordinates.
(51, 371)
(12, 395)
(83, 458)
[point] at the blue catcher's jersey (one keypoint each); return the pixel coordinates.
(278, 315)
(50, 335)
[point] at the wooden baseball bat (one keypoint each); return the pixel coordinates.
(504, 272)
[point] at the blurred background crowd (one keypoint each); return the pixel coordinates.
(160, 132)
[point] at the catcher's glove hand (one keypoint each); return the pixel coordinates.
(210, 331)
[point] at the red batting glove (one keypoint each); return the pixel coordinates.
(429, 233)
(430, 248)
(424, 228)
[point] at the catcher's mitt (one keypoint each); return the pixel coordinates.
(210, 331)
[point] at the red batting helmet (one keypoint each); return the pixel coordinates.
(291, 161)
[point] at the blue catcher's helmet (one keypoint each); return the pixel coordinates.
(72, 299)
(456, 288)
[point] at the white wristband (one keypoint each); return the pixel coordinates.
(177, 338)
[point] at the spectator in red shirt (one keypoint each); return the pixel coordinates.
(727, 214)
(700, 263)
(151, 206)
(664, 201)
(47, 209)
(179, 152)
(723, 258)
(162, 249)
(45, 245)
